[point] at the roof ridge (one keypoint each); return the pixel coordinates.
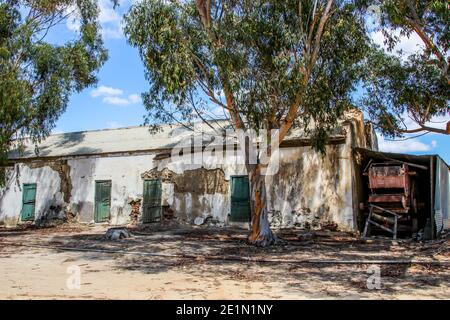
(129, 127)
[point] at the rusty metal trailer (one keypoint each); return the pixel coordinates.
(392, 199)
(402, 193)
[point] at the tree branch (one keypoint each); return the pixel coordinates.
(293, 109)
(203, 7)
(415, 24)
(423, 127)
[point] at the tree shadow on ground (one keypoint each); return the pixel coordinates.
(333, 280)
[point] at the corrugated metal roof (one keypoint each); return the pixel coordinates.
(122, 140)
(419, 159)
(130, 139)
(140, 139)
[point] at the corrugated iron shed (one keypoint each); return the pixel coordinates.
(438, 172)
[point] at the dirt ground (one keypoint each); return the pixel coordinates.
(179, 262)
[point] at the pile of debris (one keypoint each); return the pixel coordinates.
(135, 210)
(437, 247)
(168, 213)
(208, 221)
(117, 233)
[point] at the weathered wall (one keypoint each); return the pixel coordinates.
(49, 196)
(194, 193)
(309, 189)
(125, 174)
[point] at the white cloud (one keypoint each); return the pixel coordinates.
(73, 21)
(434, 143)
(115, 96)
(110, 18)
(438, 122)
(118, 101)
(134, 98)
(408, 45)
(105, 91)
(413, 144)
(107, 12)
(112, 33)
(405, 146)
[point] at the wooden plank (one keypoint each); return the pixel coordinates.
(382, 227)
(385, 210)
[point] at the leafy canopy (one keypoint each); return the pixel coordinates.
(414, 89)
(38, 77)
(267, 64)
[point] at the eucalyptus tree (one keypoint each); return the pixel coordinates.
(37, 77)
(404, 94)
(267, 64)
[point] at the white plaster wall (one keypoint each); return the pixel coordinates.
(47, 193)
(125, 174)
(188, 206)
(231, 166)
(304, 187)
(310, 190)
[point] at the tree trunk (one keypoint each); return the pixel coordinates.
(260, 235)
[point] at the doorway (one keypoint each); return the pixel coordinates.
(28, 201)
(240, 199)
(152, 201)
(102, 201)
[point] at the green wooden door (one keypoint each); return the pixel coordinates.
(28, 201)
(152, 201)
(102, 200)
(240, 199)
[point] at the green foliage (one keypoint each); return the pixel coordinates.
(432, 15)
(417, 87)
(395, 89)
(36, 77)
(257, 51)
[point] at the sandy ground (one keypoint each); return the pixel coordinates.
(36, 264)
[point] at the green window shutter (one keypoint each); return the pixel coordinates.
(240, 199)
(102, 200)
(152, 201)
(28, 201)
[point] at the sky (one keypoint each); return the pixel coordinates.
(116, 100)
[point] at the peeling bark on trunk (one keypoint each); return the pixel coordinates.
(260, 235)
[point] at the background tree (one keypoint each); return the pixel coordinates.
(279, 65)
(37, 77)
(415, 89)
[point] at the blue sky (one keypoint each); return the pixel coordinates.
(115, 102)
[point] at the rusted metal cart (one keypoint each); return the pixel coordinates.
(392, 199)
